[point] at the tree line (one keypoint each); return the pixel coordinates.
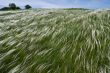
(12, 6)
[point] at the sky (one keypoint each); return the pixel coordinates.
(92, 4)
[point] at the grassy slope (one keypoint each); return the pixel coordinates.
(55, 41)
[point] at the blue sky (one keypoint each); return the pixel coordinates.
(59, 3)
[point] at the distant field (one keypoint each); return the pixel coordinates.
(55, 41)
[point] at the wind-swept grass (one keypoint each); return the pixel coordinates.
(55, 41)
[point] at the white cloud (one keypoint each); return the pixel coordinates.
(44, 4)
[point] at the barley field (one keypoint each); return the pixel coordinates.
(55, 41)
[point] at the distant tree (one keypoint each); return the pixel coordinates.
(28, 7)
(5, 8)
(18, 8)
(12, 6)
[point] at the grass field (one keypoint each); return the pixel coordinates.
(55, 41)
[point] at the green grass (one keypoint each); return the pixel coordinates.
(55, 41)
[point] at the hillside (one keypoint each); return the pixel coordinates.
(55, 41)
